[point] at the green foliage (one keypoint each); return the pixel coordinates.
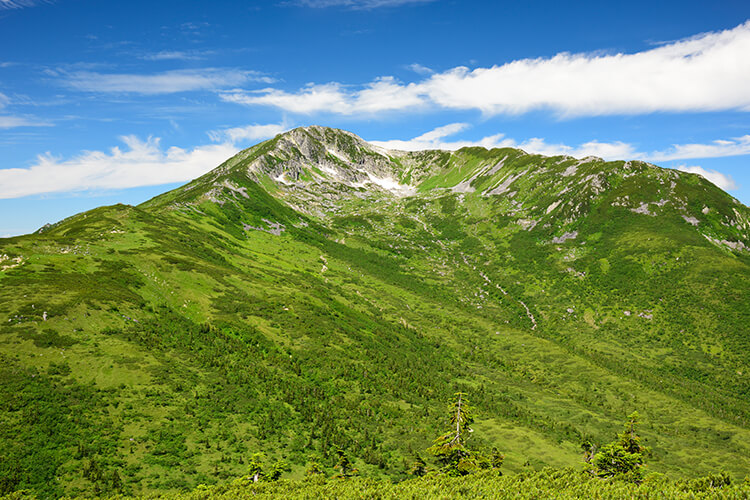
(344, 465)
(418, 466)
(314, 469)
(623, 457)
(277, 469)
(255, 467)
(547, 483)
(450, 448)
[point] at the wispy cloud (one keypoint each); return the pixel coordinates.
(383, 94)
(420, 69)
(722, 181)
(355, 4)
(177, 55)
(141, 163)
(708, 72)
(435, 139)
(253, 132)
(158, 83)
(723, 147)
(9, 121)
(20, 4)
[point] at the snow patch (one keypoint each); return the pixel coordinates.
(282, 179)
(392, 185)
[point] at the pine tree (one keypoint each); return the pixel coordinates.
(624, 457)
(496, 460)
(255, 467)
(277, 469)
(314, 469)
(116, 482)
(418, 467)
(450, 448)
(344, 465)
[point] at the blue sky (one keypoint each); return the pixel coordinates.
(107, 102)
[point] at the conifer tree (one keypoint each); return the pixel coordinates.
(496, 460)
(344, 465)
(450, 447)
(623, 457)
(277, 469)
(255, 467)
(418, 467)
(116, 481)
(314, 469)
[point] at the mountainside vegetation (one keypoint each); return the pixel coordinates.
(316, 297)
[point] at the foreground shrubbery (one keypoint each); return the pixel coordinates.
(547, 483)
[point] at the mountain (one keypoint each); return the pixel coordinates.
(316, 292)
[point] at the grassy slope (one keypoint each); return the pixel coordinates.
(176, 342)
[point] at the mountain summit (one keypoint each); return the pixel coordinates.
(316, 293)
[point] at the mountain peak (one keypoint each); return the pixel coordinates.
(318, 170)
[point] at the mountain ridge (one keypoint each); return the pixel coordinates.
(286, 302)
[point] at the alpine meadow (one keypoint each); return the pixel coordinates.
(322, 317)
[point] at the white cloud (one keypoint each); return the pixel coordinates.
(708, 72)
(7, 121)
(733, 147)
(248, 133)
(435, 139)
(159, 83)
(722, 181)
(607, 150)
(19, 4)
(383, 94)
(142, 163)
(420, 69)
(179, 55)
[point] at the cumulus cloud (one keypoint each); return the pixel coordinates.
(253, 132)
(140, 163)
(722, 181)
(159, 83)
(708, 72)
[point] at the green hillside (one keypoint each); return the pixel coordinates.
(316, 292)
